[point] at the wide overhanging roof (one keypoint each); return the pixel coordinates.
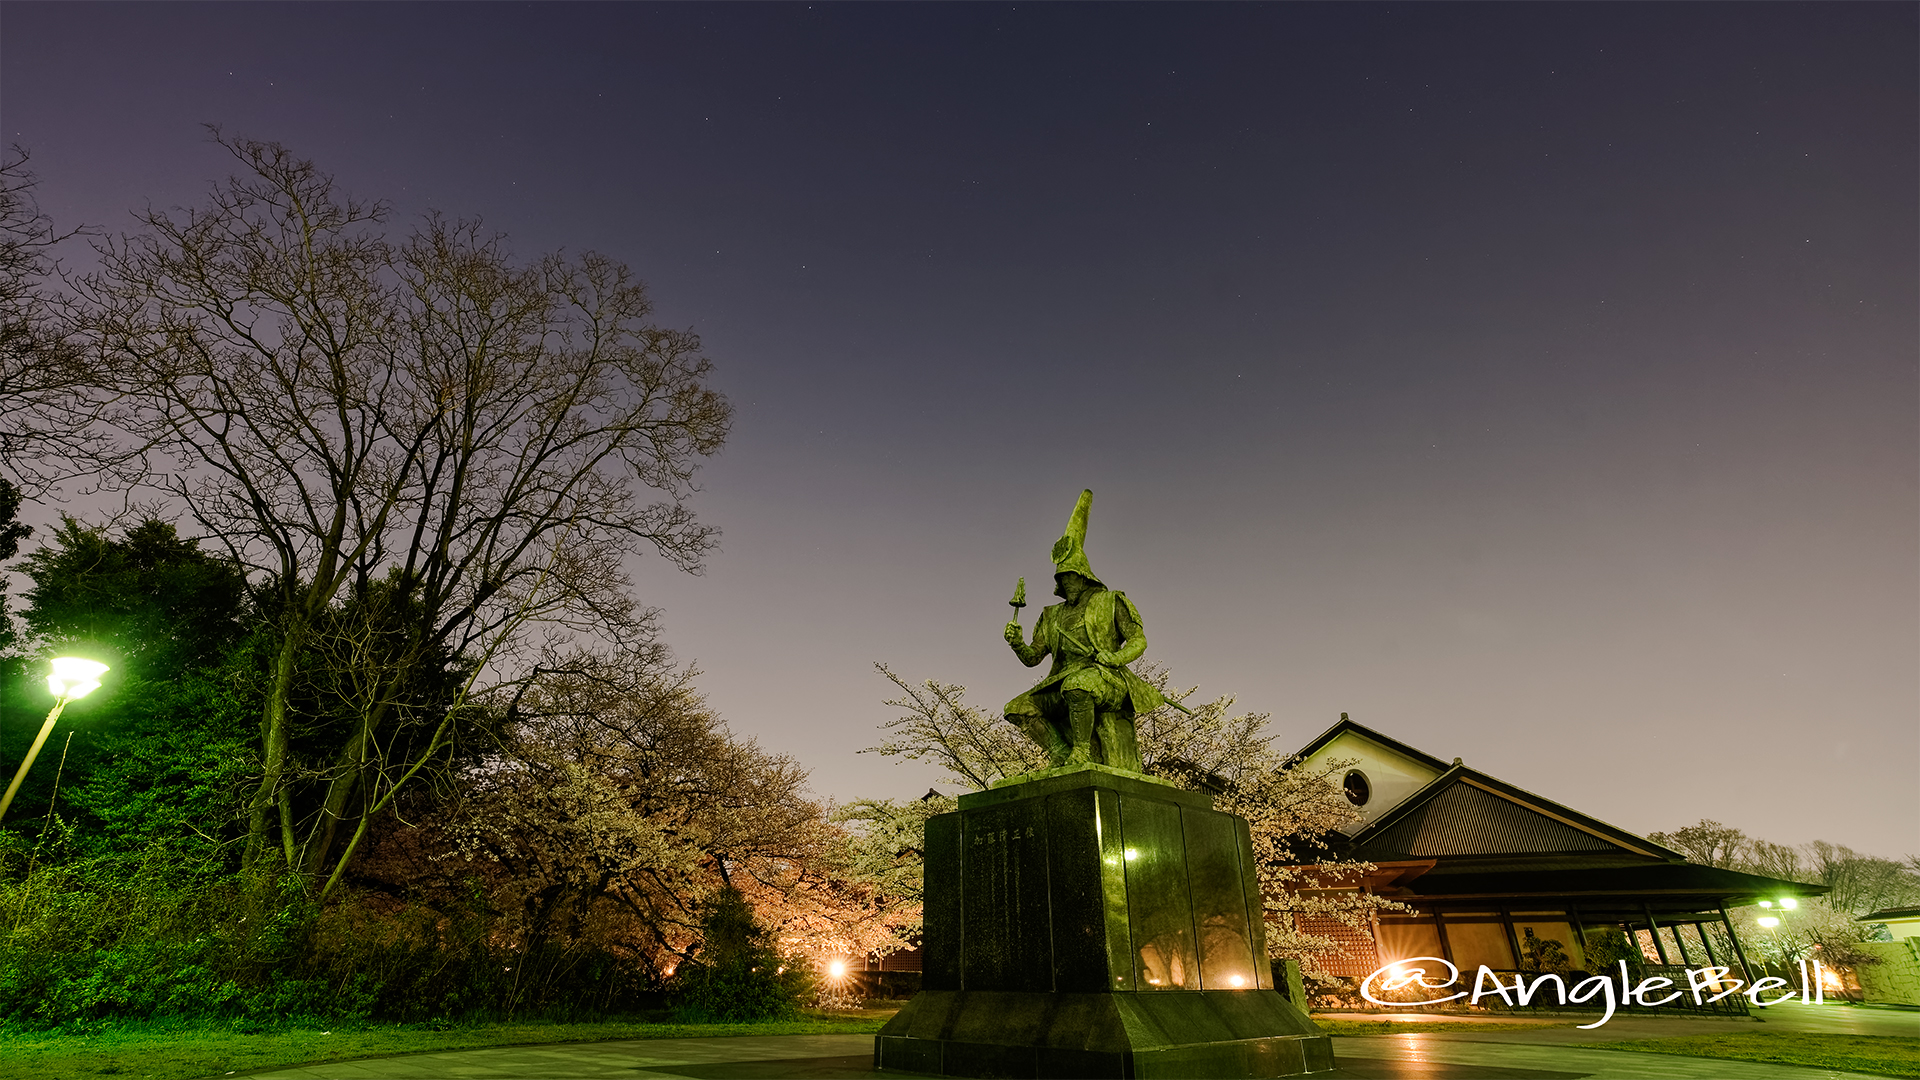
(1666, 886)
(1898, 914)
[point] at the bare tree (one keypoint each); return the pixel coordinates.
(1768, 859)
(48, 401)
(427, 416)
(1858, 882)
(1862, 883)
(1708, 843)
(936, 724)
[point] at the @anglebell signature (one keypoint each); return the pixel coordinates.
(1611, 991)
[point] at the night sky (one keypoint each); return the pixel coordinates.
(1536, 383)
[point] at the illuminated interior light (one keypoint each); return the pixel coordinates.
(1769, 921)
(1132, 854)
(1236, 980)
(1766, 903)
(1789, 903)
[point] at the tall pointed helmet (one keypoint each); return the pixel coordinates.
(1070, 551)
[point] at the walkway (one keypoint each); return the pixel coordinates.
(799, 1056)
(1470, 1053)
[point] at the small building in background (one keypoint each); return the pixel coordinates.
(1895, 980)
(1500, 876)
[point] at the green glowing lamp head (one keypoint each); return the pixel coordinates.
(1769, 921)
(1789, 903)
(73, 677)
(1766, 903)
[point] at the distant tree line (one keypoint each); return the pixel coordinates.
(1826, 928)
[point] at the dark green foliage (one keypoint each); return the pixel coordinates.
(737, 975)
(724, 995)
(169, 935)
(164, 748)
(153, 761)
(160, 934)
(11, 531)
(1608, 946)
(150, 604)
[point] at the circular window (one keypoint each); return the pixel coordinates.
(1358, 790)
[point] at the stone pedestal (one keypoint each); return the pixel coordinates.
(1090, 923)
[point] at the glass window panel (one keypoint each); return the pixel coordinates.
(1400, 941)
(1553, 946)
(1476, 943)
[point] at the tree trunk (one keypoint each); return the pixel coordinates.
(274, 741)
(340, 792)
(353, 767)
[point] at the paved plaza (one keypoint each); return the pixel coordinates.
(1473, 1052)
(1788, 1017)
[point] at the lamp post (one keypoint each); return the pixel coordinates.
(71, 677)
(1771, 924)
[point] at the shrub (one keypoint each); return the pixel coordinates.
(738, 976)
(161, 936)
(1607, 946)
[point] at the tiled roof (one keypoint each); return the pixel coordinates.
(1468, 820)
(1884, 914)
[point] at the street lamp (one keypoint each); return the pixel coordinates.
(71, 677)
(1771, 924)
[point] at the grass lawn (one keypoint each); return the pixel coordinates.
(1887, 1055)
(160, 1050)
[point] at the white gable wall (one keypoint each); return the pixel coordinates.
(1392, 775)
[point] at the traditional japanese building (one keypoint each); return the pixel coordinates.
(1493, 872)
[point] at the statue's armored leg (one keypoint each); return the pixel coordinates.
(1040, 716)
(1044, 734)
(1080, 723)
(1118, 740)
